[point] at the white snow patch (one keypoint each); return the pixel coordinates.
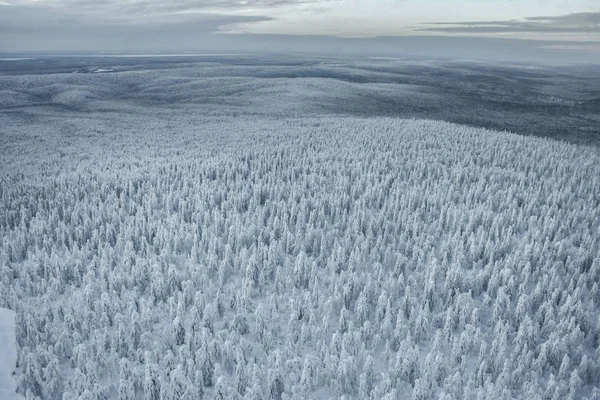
(8, 355)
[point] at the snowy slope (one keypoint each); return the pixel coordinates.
(8, 355)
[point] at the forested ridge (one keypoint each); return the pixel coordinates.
(303, 258)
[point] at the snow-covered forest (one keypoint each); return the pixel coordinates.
(263, 258)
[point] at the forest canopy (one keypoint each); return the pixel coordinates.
(301, 258)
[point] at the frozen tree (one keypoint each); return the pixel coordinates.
(241, 382)
(178, 331)
(276, 387)
(152, 384)
(221, 389)
(126, 389)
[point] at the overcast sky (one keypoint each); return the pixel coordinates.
(499, 29)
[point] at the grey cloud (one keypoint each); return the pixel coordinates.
(577, 19)
(58, 22)
(144, 9)
(37, 28)
(571, 23)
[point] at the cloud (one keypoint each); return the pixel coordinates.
(151, 10)
(58, 21)
(33, 28)
(578, 23)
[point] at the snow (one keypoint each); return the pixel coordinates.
(196, 235)
(8, 355)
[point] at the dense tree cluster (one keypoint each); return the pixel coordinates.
(315, 258)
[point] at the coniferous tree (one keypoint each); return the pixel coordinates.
(152, 384)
